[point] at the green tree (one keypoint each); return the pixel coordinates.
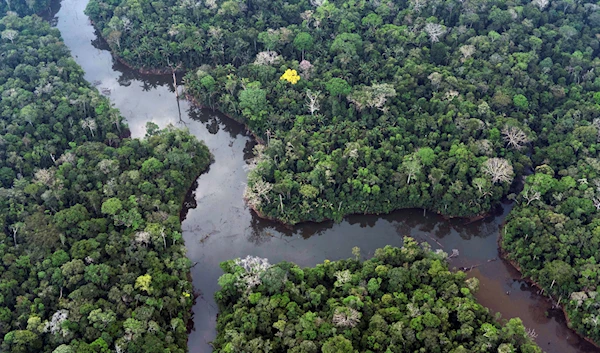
(520, 101)
(303, 42)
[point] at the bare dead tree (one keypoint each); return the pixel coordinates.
(346, 317)
(455, 253)
(342, 277)
(253, 267)
(259, 190)
(418, 4)
(268, 57)
(499, 169)
(530, 195)
(541, 3)
(467, 51)
(44, 176)
(381, 92)
(435, 31)
(515, 137)
(312, 101)
(10, 34)
(531, 333)
(90, 124)
(436, 80)
(412, 166)
(15, 229)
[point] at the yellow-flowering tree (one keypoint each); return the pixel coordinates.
(143, 283)
(290, 76)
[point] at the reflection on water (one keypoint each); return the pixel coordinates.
(218, 225)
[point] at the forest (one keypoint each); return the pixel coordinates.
(23, 8)
(92, 257)
(389, 105)
(402, 300)
(554, 237)
(368, 106)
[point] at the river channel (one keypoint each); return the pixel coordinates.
(218, 225)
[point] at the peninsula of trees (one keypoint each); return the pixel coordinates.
(92, 257)
(402, 300)
(370, 106)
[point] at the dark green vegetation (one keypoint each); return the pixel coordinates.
(404, 104)
(554, 236)
(399, 105)
(92, 258)
(403, 300)
(23, 7)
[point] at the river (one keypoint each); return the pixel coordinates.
(218, 225)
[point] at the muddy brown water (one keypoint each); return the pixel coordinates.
(218, 225)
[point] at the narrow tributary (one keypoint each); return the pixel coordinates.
(219, 226)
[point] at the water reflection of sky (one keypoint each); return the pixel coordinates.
(218, 225)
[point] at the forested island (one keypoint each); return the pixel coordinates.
(372, 106)
(402, 300)
(92, 258)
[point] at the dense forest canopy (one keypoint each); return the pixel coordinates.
(366, 106)
(554, 236)
(402, 300)
(92, 258)
(391, 104)
(23, 7)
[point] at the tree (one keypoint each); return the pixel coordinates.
(290, 76)
(346, 45)
(338, 87)
(530, 195)
(345, 317)
(312, 101)
(372, 96)
(269, 38)
(337, 344)
(63, 348)
(267, 58)
(10, 34)
(89, 124)
(143, 282)
(112, 206)
(435, 31)
(520, 101)
(541, 4)
(515, 137)
(303, 42)
(498, 169)
(253, 102)
(411, 166)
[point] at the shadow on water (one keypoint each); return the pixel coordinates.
(218, 226)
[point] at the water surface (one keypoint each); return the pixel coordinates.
(218, 225)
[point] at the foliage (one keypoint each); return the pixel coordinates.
(402, 300)
(92, 258)
(290, 76)
(491, 87)
(554, 236)
(23, 7)
(391, 80)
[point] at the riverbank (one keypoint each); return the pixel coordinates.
(260, 214)
(141, 70)
(506, 257)
(241, 232)
(190, 98)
